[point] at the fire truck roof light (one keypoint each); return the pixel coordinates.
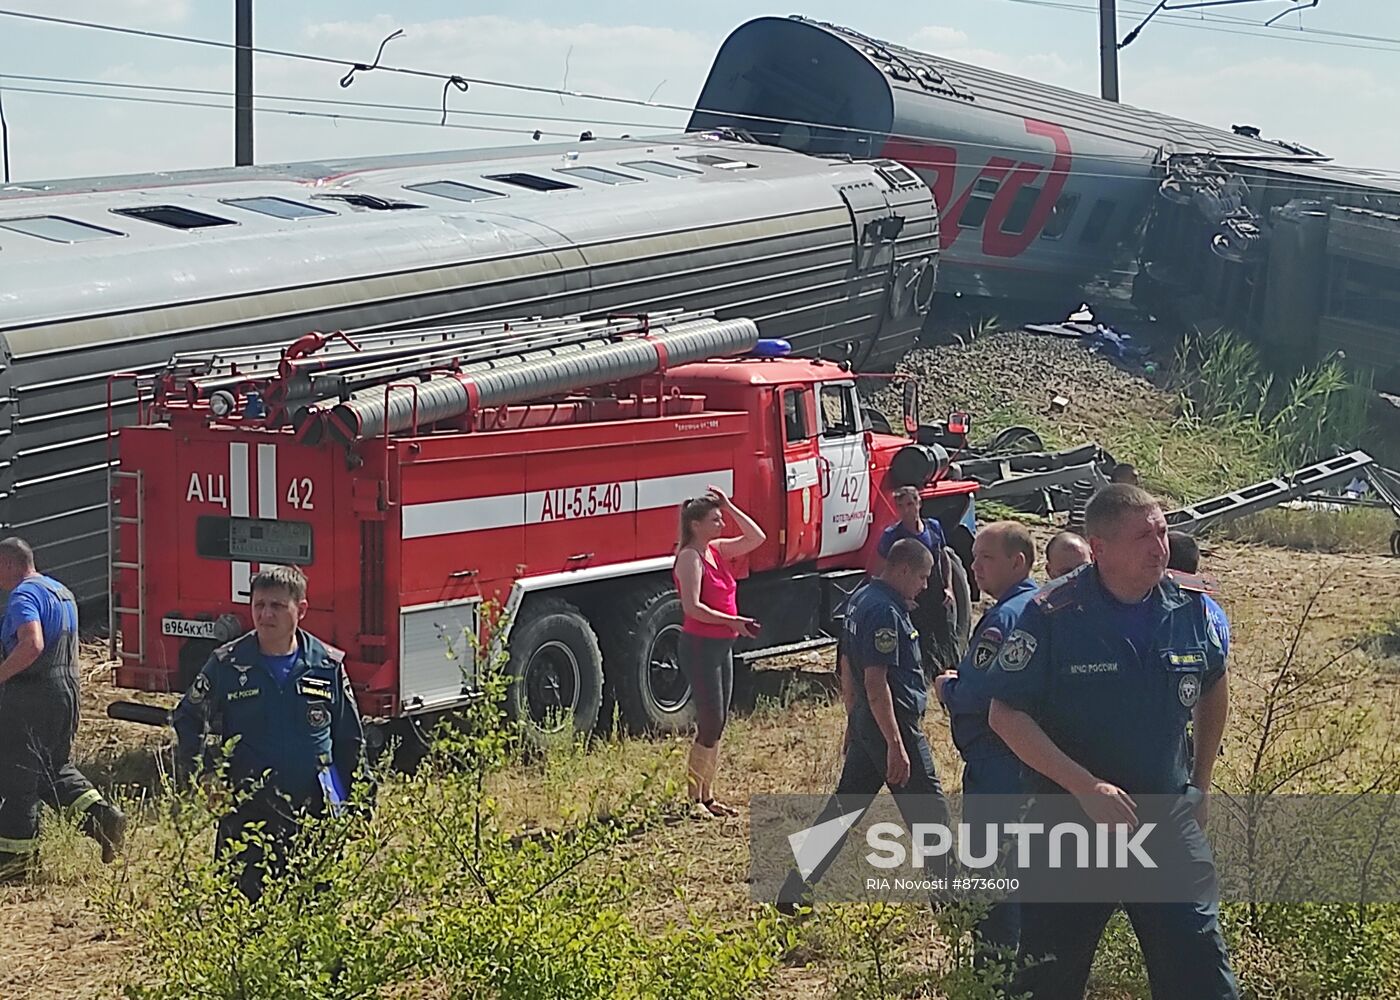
(770, 348)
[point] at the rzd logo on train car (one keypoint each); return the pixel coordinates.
(938, 165)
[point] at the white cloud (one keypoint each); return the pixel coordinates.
(1264, 92)
(131, 13)
(67, 137)
(1045, 67)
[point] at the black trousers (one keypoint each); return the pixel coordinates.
(920, 799)
(38, 718)
(264, 826)
(1181, 941)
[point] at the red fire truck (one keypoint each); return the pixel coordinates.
(422, 478)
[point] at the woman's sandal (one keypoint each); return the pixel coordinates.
(718, 808)
(701, 810)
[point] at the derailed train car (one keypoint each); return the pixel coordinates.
(1040, 188)
(116, 275)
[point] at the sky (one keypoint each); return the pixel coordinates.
(1330, 93)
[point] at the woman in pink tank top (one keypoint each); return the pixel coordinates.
(709, 599)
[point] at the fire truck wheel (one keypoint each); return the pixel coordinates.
(962, 608)
(943, 633)
(642, 657)
(558, 670)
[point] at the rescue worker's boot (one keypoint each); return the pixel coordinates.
(17, 867)
(700, 773)
(106, 824)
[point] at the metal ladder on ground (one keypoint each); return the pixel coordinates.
(1195, 517)
(116, 519)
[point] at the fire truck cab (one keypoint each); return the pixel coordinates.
(544, 530)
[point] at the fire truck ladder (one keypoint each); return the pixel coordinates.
(1196, 517)
(116, 520)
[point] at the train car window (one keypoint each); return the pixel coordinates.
(370, 201)
(455, 190)
(58, 229)
(721, 162)
(532, 181)
(174, 216)
(974, 213)
(795, 416)
(278, 208)
(1097, 222)
(1020, 212)
(1060, 217)
(598, 174)
(662, 168)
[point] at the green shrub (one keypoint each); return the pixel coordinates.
(431, 895)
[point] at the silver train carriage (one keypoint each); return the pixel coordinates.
(1040, 188)
(118, 274)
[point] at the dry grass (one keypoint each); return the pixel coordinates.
(1356, 530)
(57, 946)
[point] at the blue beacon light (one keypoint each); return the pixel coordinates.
(770, 348)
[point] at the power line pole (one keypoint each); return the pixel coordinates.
(1108, 50)
(243, 83)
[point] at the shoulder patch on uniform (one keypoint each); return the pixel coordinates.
(886, 640)
(1016, 652)
(985, 651)
(199, 690)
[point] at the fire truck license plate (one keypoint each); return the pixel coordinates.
(187, 628)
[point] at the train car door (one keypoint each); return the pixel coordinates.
(802, 524)
(844, 470)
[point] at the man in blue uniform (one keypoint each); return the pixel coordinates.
(932, 611)
(1002, 559)
(1184, 556)
(39, 715)
(1092, 691)
(286, 697)
(885, 694)
(1065, 553)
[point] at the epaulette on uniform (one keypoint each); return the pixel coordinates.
(225, 652)
(1197, 583)
(1058, 594)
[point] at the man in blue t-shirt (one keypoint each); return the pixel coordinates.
(39, 715)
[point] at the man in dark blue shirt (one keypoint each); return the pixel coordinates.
(885, 694)
(1093, 690)
(286, 697)
(39, 715)
(1002, 559)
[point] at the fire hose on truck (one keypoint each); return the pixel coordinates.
(455, 492)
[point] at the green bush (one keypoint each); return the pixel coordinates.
(431, 895)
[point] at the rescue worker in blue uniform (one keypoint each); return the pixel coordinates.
(933, 610)
(1002, 559)
(39, 715)
(1184, 557)
(885, 693)
(1092, 690)
(286, 697)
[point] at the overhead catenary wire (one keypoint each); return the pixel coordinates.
(1077, 171)
(447, 79)
(1218, 23)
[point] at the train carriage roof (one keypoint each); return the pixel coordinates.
(913, 78)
